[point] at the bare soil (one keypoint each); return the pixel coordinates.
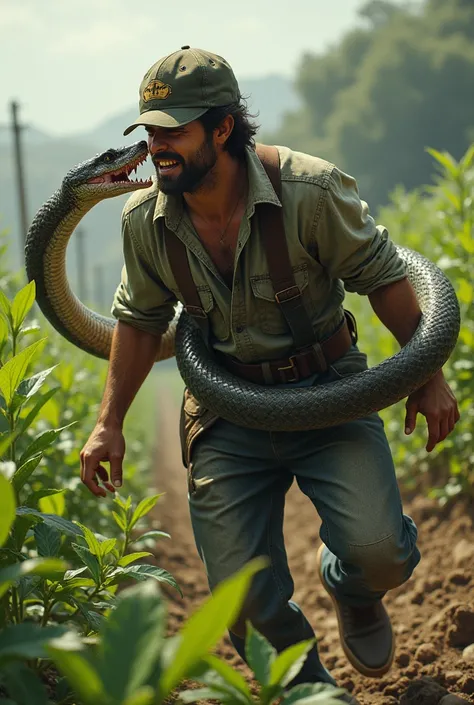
(432, 614)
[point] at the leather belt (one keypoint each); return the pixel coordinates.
(302, 364)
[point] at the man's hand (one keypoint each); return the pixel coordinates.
(106, 443)
(438, 404)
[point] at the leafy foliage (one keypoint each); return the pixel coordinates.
(437, 221)
(373, 102)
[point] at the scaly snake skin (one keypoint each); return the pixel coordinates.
(234, 399)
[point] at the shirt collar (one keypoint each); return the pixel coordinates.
(260, 191)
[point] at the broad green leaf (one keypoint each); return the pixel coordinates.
(260, 654)
(229, 675)
(93, 619)
(42, 441)
(58, 522)
(132, 557)
(143, 696)
(324, 694)
(204, 629)
(23, 684)
(446, 160)
(5, 305)
(152, 535)
(131, 641)
(468, 159)
(145, 506)
(22, 304)
(7, 508)
(48, 540)
(33, 498)
(73, 583)
(3, 332)
(25, 423)
(24, 472)
(107, 546)
(119, 521)
(289, 663)
(143, 572)
(14, 370)
(82, 676)
(89, 560)
(5, 442)
(92, 541)
(44, 567)
(192, 696)
(30, 386)
(26, 640)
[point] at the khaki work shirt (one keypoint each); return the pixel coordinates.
(333, 244)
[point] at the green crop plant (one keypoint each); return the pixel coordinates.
(55, 574)
(133, 663)
(437, 221)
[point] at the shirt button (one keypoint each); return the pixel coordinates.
(239, 329)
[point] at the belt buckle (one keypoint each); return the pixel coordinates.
(291, 367)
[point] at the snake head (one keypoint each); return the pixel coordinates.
(107, 174)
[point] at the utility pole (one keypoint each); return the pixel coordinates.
(81, 260)
(21, 190)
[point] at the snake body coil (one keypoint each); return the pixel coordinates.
(232, 398)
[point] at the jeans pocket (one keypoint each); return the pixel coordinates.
(194, 420)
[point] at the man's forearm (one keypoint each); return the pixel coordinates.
(132, 356)
(397, 307)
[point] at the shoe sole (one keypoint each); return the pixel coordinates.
(358, 665)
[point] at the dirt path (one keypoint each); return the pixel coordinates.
(433, 614)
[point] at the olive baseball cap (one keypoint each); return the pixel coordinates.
(182, 86)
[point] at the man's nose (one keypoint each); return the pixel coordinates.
(156, 143)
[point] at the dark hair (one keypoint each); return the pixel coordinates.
(244, 129)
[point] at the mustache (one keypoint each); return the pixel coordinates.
(166, 155)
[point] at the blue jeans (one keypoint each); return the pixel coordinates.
(239, 479)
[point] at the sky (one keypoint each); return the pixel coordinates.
(71, 64)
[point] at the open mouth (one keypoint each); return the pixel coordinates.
(166, 165)
(122, 174)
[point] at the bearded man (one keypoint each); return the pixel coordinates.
(259, 245)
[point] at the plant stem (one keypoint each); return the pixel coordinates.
(15, 609)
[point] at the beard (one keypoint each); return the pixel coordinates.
(193, 173)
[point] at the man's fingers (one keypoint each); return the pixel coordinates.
(410, 418)
(92, 484)
(433, 432)
(116, 469)
(104, 476)
(89, 467)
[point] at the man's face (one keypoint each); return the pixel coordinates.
(183, 157)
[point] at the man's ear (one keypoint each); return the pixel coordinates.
(224, 130)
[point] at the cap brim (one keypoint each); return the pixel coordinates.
(174, 117)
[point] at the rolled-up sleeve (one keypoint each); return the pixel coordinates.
(349, 244)
(141, 299)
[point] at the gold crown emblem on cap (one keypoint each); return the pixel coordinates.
(156, 90)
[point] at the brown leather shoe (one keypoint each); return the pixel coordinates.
(365, 632)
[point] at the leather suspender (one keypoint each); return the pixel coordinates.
(184, 279)
(287, 294)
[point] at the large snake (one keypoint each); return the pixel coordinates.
(232, 398)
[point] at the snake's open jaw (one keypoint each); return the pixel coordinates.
(120, 177)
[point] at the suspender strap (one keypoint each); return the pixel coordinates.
(182, 273)
(287, 294)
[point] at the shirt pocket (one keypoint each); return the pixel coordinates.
(270, 317)
(219, 324)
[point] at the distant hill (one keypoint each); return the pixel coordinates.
(47, 159)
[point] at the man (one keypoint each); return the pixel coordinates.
(207, 202)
